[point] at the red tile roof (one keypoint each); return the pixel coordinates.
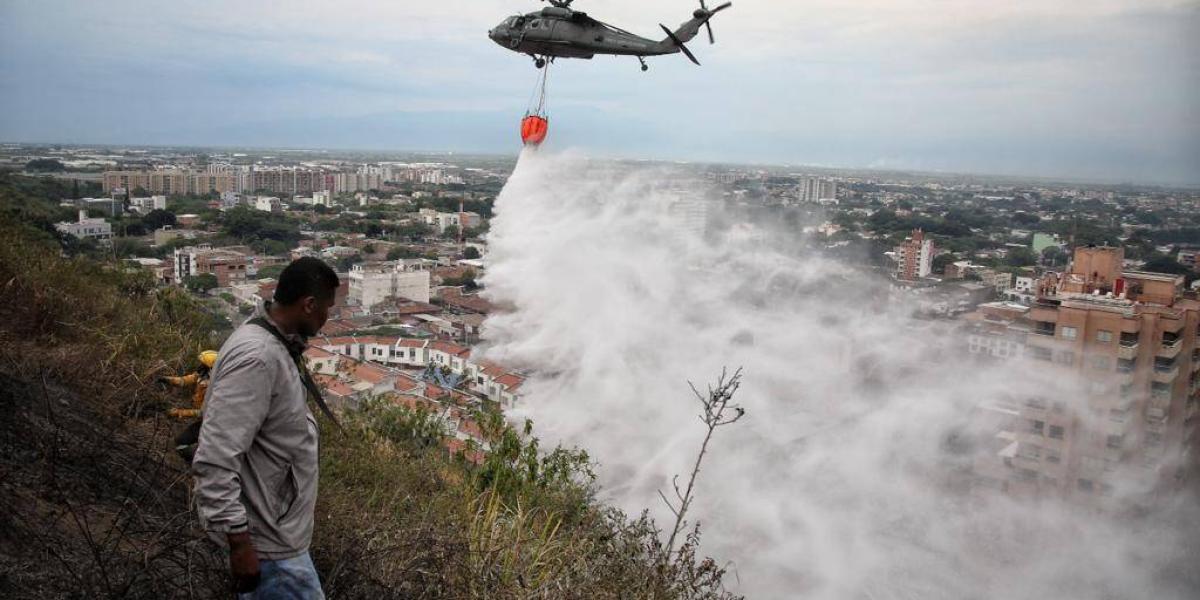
(493, 370)
(370, 373)
(337, 327)
(405, 383)
(510, 381)
(450, 348)
(317, 353)
(412, 402)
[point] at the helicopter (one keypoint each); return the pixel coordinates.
(557, 31)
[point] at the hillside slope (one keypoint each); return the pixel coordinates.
(93, 503)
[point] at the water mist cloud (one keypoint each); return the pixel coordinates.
(838, 483)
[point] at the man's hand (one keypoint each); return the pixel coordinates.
(243, 563)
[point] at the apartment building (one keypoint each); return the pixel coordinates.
(169, 182)
(815, 189)
(86, 228)
(373, 283)
(914, 258)
(1119, 352)
(442, 221)
(286, 181)
(228, 266)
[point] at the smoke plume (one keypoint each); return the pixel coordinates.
(843, 480)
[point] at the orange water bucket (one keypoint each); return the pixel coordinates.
(534, 130)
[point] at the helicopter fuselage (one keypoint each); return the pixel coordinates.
(563, 33)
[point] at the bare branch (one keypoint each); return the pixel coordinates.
(715, 404)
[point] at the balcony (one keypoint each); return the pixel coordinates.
(1170, 348)
(1127, 351)
(1160, 392)
(1120, 417)
(1165, 374)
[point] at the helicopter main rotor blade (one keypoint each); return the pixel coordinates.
(711, 39)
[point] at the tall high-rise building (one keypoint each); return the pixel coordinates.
(914, 258)
(814, 189)
(1120, 354)
(286, 180)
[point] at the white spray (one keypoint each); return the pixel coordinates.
(836, 483)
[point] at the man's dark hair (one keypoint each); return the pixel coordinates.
(303, 278)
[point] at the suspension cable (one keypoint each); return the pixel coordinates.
(539, 92)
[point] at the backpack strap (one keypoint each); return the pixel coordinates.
(296, 351)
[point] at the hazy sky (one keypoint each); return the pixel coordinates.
(1104, 89)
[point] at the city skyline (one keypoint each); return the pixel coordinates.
(1106, 92)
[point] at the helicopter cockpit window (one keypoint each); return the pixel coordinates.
(535, 24)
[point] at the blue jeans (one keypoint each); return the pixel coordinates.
(288, 579)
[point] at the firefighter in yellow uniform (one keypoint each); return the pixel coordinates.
(185, 444)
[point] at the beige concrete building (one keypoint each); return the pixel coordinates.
(170, 182)
(1118, 351)
(289, 181)
(371, 284)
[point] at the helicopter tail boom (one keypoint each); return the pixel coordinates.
(675, 42)
(689, 30)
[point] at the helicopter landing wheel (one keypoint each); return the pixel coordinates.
(645, 67)
(539, 62)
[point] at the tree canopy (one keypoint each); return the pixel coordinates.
(159, 218)
(45, 165)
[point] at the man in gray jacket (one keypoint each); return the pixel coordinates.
(256, 465)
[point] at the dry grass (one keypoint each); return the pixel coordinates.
(93, 503)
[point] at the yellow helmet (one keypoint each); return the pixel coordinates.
(208, 358)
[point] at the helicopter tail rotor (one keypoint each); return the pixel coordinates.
(707, 15)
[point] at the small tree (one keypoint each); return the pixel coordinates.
(718, 411)
(1053, 256)
(200, 284)
(158, 218)
(270, 272)
(400, 252)
(471, 253)
(1021, 257)
(942, 260)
